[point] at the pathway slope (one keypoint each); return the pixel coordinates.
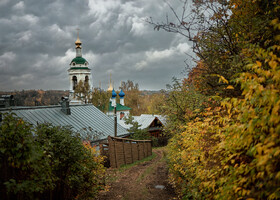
(147, 180)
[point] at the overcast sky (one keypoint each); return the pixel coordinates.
(38, 36)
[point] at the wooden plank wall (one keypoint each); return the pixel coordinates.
(124, 151)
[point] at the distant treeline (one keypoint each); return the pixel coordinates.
(37, 97)
(52, 97)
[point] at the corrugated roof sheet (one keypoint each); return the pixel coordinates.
(144, 120)
(82, 116)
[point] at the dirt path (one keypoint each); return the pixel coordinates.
(147, 180)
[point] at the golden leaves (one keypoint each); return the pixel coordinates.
(259, 63)
(222, 79)
(272, 64)
(230, 87)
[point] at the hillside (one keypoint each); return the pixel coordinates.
(37, 97)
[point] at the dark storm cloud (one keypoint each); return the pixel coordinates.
(37, 43)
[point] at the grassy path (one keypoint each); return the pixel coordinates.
(145, 180)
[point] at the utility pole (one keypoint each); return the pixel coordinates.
(115, 116)
(114, 104)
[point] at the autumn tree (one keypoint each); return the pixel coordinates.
(227, 147)
(100, 99)
(82, 91)
(182, 103)
(154, 102)
(139, 101)
(133, 98)
(218, 31)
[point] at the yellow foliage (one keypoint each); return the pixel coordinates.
(230, 87)
(232, 149)
(259, 63)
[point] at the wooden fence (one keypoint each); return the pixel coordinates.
(126, 151)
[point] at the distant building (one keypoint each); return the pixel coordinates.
(121, 110)
(153, 123)
(6, 101)
(79, 70)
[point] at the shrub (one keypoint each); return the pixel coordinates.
(24, 171)
(232, 151)
(46, 162)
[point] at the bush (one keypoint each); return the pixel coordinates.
(232, 151)
(24, 171)
(47, 162)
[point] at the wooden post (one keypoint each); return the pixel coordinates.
(138, 149)
(124, 152)
(132, 159)
(112, 153)
(116, 156)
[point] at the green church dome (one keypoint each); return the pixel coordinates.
(79, 60)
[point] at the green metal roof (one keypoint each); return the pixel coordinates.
(119, 107)
(79, 68)
(79, 60)
(82, 116)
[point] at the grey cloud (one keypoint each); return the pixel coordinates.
(38, 37)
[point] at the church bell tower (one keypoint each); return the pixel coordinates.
(78, 71)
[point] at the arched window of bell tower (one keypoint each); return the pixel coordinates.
(86, 79)
(74, 80)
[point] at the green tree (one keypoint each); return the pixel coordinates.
(182, 104)
(137, 132)
(73, 165)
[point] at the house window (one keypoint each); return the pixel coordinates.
(74, 80)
